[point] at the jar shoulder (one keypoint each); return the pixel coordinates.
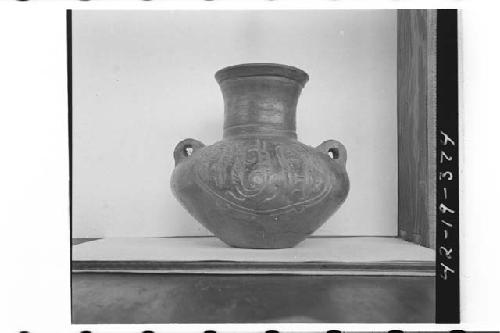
(276, 154)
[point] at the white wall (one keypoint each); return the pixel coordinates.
(143, 80)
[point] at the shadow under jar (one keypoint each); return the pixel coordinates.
(259, 187)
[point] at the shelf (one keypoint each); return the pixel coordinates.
(208, 255)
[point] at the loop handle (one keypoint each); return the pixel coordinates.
(185, 149)
(335, 150)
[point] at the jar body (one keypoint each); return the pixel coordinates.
(260, 192)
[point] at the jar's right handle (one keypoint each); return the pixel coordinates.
(335, 150)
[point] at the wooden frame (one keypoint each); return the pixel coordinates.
(416, 108)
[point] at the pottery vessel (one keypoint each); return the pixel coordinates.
(259, 187)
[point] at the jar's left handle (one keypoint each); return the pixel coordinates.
(185, 149)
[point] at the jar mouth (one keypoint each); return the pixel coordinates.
(262, 69)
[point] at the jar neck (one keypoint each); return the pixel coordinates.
(260, 105)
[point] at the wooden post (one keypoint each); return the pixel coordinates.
(416, 102)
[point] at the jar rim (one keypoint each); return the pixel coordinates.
(262, 69)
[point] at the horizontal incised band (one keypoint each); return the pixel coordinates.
(251, 129)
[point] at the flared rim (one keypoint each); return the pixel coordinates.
(262, 69)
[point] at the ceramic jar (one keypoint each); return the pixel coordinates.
(259, 187)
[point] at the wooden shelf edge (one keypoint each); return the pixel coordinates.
(414, 268)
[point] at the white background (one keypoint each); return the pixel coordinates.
(34, 176)
(144, 80)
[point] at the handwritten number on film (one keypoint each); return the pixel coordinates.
(446, 214)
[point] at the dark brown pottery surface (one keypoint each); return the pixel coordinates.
(259, 187)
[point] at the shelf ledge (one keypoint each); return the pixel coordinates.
(208, 255)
